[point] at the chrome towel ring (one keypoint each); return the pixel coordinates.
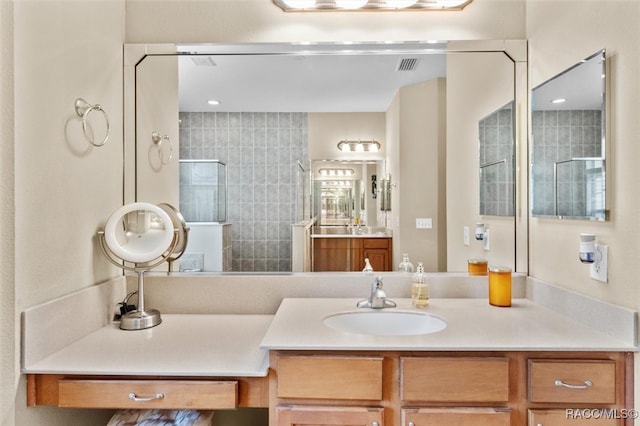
(158, 140)
(84, 109)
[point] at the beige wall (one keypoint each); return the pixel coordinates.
(561, 34)
(417, 118)
(477, 85)
(242, 21)
(9, 349)
(64, 188)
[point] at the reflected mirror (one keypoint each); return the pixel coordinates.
(271, 113)
(568, 143)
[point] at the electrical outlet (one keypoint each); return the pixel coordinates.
(599, 268)
(465, 237)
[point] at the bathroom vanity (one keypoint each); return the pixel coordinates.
(524, 365)
(344, 249)
(505, 367)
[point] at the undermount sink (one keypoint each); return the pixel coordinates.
(385, 323)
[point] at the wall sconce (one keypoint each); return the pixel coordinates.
(359, 146)
(368, 5)
(595, 255)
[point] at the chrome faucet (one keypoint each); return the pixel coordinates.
(378, 298)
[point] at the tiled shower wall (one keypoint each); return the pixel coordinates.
(496, 163)
(261, 151)
(560, 135)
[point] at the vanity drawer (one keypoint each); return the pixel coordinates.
(169, 394)
(453, 379)
(571, 417)
(583, 381)
(370, 243)
(476, 416)
(330, 377)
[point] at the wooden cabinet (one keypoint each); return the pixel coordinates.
(455, 416)
(378, 251)
(202, 393)
(144, 394)
(459, 379)
(573, 417)
(572, 381)
(587, 388)
(422, 388)
(329, 416)
(348, 253)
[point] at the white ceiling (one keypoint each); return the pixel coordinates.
(342, 82)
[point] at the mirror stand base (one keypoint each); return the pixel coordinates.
(139, 320)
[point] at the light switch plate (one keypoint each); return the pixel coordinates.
(599, 268)
(465, 235)
(424, 223)
(485, 241)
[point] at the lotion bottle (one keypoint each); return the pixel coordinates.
(419, 288)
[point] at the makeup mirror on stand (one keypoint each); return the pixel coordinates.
(138, 237)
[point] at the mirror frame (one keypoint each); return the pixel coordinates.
(516, 50)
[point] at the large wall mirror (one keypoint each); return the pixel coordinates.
(273, 114)
(568, 144)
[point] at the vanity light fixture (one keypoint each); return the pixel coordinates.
(350, 4)
(336, 172)
(359, 146)
(369, 5)
(400, 4)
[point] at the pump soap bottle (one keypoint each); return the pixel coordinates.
(419, 288)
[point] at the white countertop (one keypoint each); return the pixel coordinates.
(472, 325)
(182, 345)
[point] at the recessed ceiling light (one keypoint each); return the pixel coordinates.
(213, 102)
(558, 101)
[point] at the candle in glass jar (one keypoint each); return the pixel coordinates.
(500, 286)
(477, 266)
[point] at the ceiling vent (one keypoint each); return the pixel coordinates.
(407, 64)
(203, 61)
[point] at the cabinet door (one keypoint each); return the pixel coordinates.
(378, 250)
(332, 254)
(574, 417)
(329, 416)
(456, 416)
(379, 259)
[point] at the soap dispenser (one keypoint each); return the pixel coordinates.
(405, 265)
(419, 288)
(368, 269)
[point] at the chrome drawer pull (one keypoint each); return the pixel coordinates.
(136, 398)
(587, 384)
(411, 424)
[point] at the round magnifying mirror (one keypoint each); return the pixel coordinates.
(139, 232)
